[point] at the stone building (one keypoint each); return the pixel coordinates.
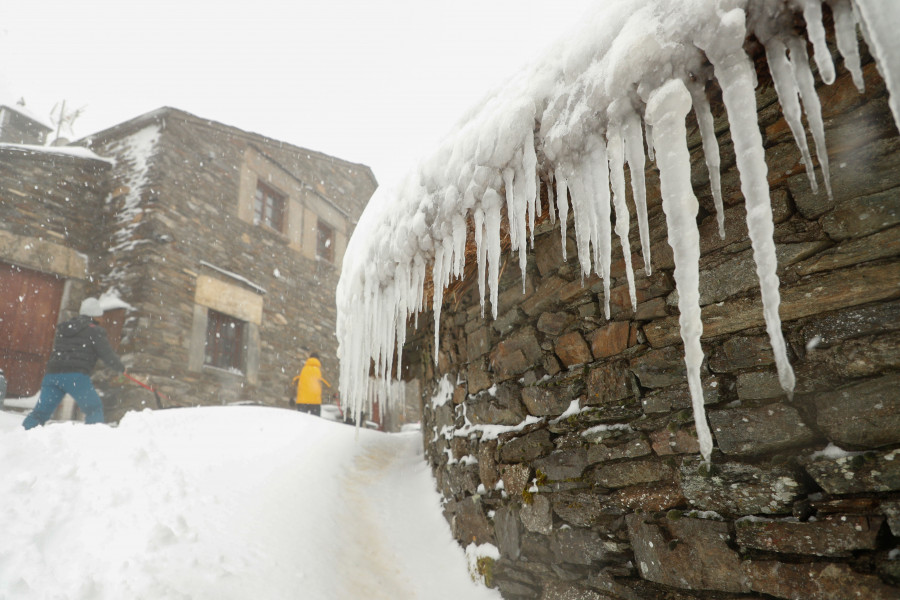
(216, 250)
(566, 439)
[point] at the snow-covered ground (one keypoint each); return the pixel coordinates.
(232, 502)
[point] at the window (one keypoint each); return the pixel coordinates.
(325, 245)
(225, 347)
(268, 207)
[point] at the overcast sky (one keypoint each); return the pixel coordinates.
(370, 81)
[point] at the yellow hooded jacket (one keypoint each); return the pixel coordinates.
(309, 389)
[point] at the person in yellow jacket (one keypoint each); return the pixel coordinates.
(309, 386)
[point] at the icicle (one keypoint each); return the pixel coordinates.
(562, 205)
(551, 200)
(529, 168)
(634, 154)
(491, 203)
(648, 134)
(481, 253)
(616, 156)
(666, 110)
(812, 14)
(599, 176)
(881, 22)
(734, 72)
(845, 32)
(512, 207)
(788, 96)
(811, 104)
(520, 181)
(583, 222)
(710, 150)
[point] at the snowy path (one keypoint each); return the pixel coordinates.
(222, 503)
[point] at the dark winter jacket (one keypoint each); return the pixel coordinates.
(77, 346)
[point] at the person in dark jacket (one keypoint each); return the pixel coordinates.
(78, 344)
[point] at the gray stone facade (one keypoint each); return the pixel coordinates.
(168, 222)
(613, 501)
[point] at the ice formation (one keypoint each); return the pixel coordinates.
(570, 124)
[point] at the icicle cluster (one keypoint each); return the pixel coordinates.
(626, 82)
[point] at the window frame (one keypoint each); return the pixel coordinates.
(325, 250)
(269, 207)
(221, 352)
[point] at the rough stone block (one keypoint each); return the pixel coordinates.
(569, 591)
(861, 216)
(554, 323)
(469, 523)
(815, 581)
(576, 546)
(609, 383)
(572, 349)
(610, 340)
(680, 441)
(761, 430)
(837, 535)
(542, 400)
(659, 368)
(864, 415)
(478, 342)
(516, 354)
(506, 531)
(632, 472)
(740, 489)
(686, 553)
(633, 448)
(648, 498)
(515, 478)
(585, 509)
(536, 515)
(562, 465)
(545, 296)
(488, 470)
(477, 378)
(716, 389)
(855, 474)
(741, 352)
(527, 447)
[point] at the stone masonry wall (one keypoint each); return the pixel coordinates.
(613, 502)
(190, 216)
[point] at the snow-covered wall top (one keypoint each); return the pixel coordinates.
(615, 92)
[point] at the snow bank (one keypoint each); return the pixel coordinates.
(571, 122)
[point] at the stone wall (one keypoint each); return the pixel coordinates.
(802, 496)
(189, 227)
(51, 206)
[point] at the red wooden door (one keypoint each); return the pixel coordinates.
(29, 308)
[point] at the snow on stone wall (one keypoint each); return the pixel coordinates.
(614, 93)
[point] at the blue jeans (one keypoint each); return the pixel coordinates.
(56, 385)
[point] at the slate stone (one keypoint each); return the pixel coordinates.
(527, 447)
(585, 508)
(759, 385)
(536, 515)
(569, 591)
(758, 431)
(488, 470)
(506, 531)
(815, 581)
(562, 465)
(576, 546)
(469, 522)
(648, 498)
(572, 349)
(837, 535)
(872, 472)
(609, 383)
(478, 342)
(477, 378)
(716, 389)
(503, 408)
(632, 448)
(554, 323)
(516, 354)
(891, 510)
(883, 244)
(741, 352)
(541, 401)
(611, 339)
(815, 295)
(545, 296)
(864, 415)
(632, 472)
(861, 216)
(739, 488)
(508, 321)
(688, 553)
(659, 368)
(681, 441)
(516, 478)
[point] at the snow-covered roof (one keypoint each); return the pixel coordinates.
(74, 151)
(628, 76)
(25, 112)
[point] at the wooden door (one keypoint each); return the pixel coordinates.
(29, 309)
